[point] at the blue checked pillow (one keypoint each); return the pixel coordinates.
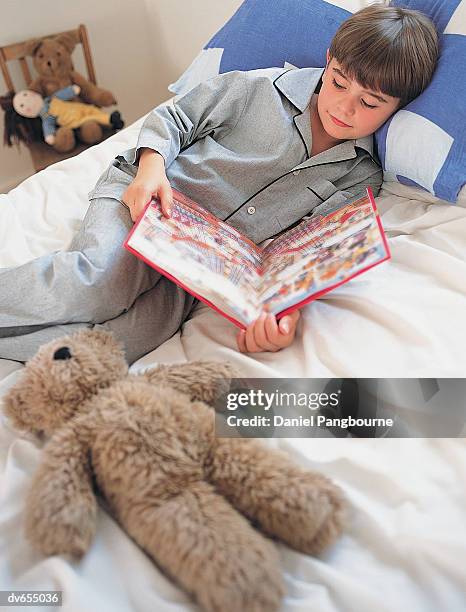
(423, 144)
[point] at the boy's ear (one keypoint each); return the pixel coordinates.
(326, 66)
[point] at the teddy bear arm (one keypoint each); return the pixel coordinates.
(301, 507)
(88, 89)
(36, 85)
(209, 549)
(90, 93)
(61, 508)
(202, 380)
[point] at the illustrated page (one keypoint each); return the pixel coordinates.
(319, 253)
(206, 255)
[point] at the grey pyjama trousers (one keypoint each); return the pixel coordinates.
(96, 283)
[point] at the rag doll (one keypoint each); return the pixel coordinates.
(59, 115)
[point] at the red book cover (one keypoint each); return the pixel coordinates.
(223, 268)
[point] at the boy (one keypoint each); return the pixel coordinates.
(259, 149)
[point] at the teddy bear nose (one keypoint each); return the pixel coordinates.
(62, 353)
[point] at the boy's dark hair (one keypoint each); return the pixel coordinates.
(389, 49)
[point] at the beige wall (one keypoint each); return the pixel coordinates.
(180, 28)
(138, 48)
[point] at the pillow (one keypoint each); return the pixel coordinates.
(422, 145)
(419, 195)
(268, 33)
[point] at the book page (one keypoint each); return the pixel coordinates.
(207, 256)
(320, 253)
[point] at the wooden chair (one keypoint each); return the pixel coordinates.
(42, 154)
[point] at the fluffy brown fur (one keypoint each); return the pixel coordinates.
(51, 58)
(147, 443)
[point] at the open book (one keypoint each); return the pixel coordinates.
(218, 265)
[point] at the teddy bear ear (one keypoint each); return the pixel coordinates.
(15, 407)
(31, 46)
(68, 40)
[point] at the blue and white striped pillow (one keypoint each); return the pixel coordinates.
(423, 144)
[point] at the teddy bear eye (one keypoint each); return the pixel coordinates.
(62, 353)
(41, 55)
(58, 53)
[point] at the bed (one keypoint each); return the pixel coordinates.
(406, 536)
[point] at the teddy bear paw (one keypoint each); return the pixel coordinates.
(64, 140)
(104, 98)
(317, 523)
(68, 533)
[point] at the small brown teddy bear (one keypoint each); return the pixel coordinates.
(146, 443)
(52, 61)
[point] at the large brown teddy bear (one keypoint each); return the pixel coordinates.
(146, 443)
(52, 61)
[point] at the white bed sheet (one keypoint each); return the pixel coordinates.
(406, 541)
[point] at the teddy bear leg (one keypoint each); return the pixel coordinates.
(90, 132)
(301, 507)
(212, 551)
(64, 140)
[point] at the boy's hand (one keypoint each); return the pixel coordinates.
(150, 182)
(265, 334)
(141, 191)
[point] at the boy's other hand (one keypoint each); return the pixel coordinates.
(150, 182)
(140, 192)
(266, 334)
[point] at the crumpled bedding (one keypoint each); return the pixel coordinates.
(405, 543)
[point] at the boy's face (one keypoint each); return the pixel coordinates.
(352, 104)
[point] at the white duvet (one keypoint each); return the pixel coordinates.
(406, 543)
